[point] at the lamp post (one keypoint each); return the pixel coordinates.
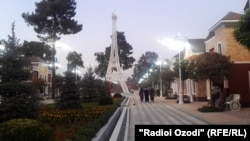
(180, 42)
(160, 62)
(180, 80)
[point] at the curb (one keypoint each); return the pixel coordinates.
(116, 127)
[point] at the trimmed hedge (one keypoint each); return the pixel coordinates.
(87, 133)
(25, 130)
(107, 100)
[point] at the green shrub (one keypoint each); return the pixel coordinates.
(89, 131)
(25, 130)
(69, 98)
(106, 100)
(117, 95)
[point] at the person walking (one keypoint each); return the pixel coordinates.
(146, 94)
(141, 94)
(152, 94)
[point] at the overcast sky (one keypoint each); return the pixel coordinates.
(144, 23)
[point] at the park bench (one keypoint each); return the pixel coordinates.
(233, 101)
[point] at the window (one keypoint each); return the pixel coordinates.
(219, 48)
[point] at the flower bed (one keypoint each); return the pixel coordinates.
(66, 123)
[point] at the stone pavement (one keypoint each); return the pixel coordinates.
(226, 117)
(163, 112)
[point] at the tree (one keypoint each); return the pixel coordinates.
(103, 61)
(145, 62)
(69, 98)
(89, 88)
(39, 49)
(212, 66)
(124, 52)
(168, 77)
(74, 60)
(18, 100)
(51, 19)
(242, 32)
(92, 88)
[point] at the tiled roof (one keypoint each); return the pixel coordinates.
(210, 35)
(247, 6)
(197, 45)
(232, 16)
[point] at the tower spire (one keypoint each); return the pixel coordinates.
(114, 70)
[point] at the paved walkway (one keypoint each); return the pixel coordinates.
(166, 111)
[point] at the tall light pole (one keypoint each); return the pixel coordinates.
(179, 42)
(180, 80)
(160, 63)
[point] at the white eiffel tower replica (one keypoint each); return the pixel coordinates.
(114, 71)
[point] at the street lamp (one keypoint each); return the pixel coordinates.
(179, 42)
(180, 80)
(160, 63)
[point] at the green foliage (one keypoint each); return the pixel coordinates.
(145, 62)
(211, 66)
(18, 100)
(124, 52)
(106, 100)
(25, 130)
(69, 98)
(94, 126)
(19, 106)
(15, 66)
(84, 123)
(242, 32)
(74, 59)
(89, 86)
(38, 49)
(53, 18)
(55, 116)
(168, 77)
(185, 73)
(93, 88)
(59, 81)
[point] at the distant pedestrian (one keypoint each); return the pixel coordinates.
(146, 94)
(152, 94)
(141, 94)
